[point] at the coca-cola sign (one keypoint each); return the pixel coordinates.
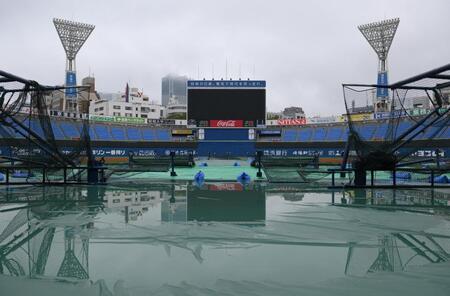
(299, 121)
(225, 187)
(226, 123)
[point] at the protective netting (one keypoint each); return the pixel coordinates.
(27, 135)
(381, 129)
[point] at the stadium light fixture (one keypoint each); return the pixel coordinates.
(380, 36)
(72, 35)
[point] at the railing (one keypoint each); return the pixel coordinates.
(407, 183)
(44, 178)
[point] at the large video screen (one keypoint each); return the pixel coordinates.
(226, 107)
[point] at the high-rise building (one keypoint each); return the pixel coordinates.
(173, 86)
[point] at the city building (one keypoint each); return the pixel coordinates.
(173, 86)
(175, 109)
(132, 103)
(293, 113)
(132, 205)
(87, 94)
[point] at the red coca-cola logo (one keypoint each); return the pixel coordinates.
(226, 187)
(226, 123)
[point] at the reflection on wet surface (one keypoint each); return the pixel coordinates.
(223, 239)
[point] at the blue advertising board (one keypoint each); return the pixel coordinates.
(71, 80)
(392, 114)
(226, 83)
(382, 80)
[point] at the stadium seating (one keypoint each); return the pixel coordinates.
(5, 132)
(289, 135)
(319, 134)
(148, 134)
(134, 134)
(102, 132)
(401, 128)
(334, 134)
(59, 135)
(118, 133)
(444, 134)
(380, 132)
(35, 127)
(163, 135)
(92, 134)
(366, 131)
(345, 134)
(305, 134)
(69, 129)
(375, 131)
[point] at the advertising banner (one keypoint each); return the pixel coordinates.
(101, 118)
(182, 132)
(71, 80)
(393, 114)
(356, 117)
(382, 80)
(226, 187)
(134, 120)
(162, 121)
(328, 119)
(226, 123)
(300, 121)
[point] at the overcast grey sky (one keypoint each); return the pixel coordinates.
(304, 49)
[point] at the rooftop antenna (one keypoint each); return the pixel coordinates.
(212, 71)
(72, 35)
(380, 36)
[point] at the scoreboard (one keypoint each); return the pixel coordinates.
(226, 103)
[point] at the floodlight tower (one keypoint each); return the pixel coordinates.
(72, 36)
(380, 36)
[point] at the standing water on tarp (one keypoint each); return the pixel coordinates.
(224, 239)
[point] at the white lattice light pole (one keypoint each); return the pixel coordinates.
(72, 35)
(380, 36)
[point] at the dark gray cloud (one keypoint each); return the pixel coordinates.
(304, 49)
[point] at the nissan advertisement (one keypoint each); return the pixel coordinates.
(226, 107)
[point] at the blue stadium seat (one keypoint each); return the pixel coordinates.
(305, 134)
(35, 127)
(92, 134)
(334, 134)
(12, 131)
(134, 134)
(319, 134)
(118, 133)
(401, 128)
(344, 136)
(380, 133)
(69, 129)
(148, 134)
(366, 131)
(445, 134)
(6, 132)
(163, 135)
(289, 135)
(102, 132)
(59, 135)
